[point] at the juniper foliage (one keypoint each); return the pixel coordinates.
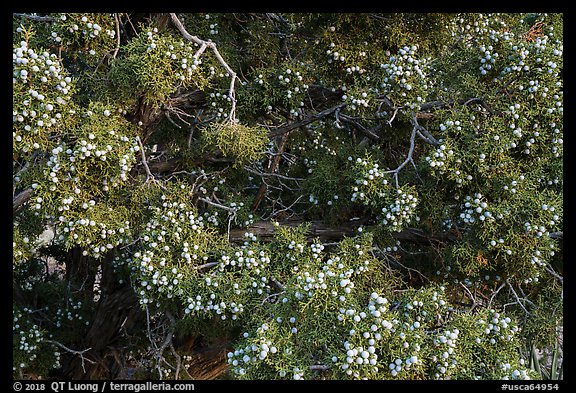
(288, 196)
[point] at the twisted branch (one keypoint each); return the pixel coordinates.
(203, 46)
(74, 352)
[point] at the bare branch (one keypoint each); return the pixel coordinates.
(178, 361)
(286, 208)
(519, 301)
(208, 44)
(273, 166)
(368, 132)
(410, 151)
(496, 293)
(149, 175)
(425, 135)
(168, 339)
(319, 367)
(446, 104)
(265, 230)
(21, 198)
(270, 296)
(229, 209)
(396, 261)
(393, 116)
(470, 295)
(185, 33)
(554, 274)
(37, 18)
(201, 50)
(309, 119)
(278, 18)
(277, 283)
(158, 351)
(74, 352)
(387, 101)
(117, 36)
(206, 265)
(556, 235)
(167, 113)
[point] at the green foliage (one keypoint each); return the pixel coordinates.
(155, 66)
(173, 241)
(547, 319)
(29, 350)
(83, 174)
(242, 143)
(43, 92)
(283, 86)
(92, 36)
(415, 336)
(221, 198)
